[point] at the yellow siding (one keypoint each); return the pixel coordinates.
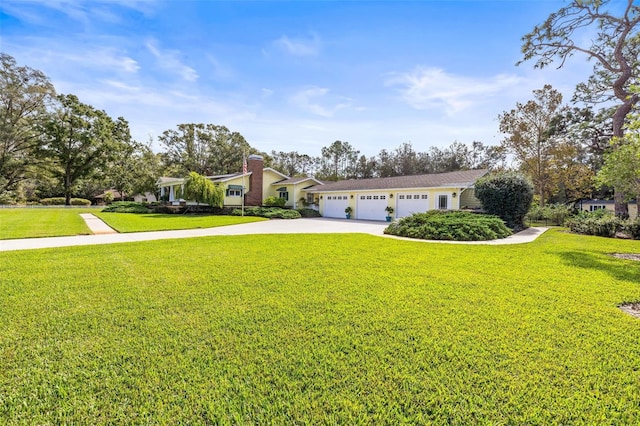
(468, 199)
(235, 201)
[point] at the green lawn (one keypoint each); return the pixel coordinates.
(321, 329)
(127, 222)
(42, 222)
(58, 222)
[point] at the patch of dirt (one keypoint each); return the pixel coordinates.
(626, 256)
(632, 308)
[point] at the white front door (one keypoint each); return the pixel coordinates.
(408, 204)
(371, 206)
(334, 205)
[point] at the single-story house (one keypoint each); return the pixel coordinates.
(369, 198)
(255, 186)
(592, 205)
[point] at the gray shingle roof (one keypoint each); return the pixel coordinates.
(460, 179)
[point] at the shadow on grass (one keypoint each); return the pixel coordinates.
(628, 270)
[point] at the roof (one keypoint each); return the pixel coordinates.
(462, 179)
(296, 180)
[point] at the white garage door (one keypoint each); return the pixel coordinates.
(334, 205)
(412, 203)
(371, 206)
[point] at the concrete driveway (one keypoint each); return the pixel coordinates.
(274, 226)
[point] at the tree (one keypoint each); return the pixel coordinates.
(292, 163)
(201, 190)
(338, 161)
(614, 49)
(205, 148)
(24, 95)
(527, 129)
(77, 141)
(507, 195)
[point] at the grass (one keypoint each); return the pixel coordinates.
(126, 222)
(42, 222)
(253, 329)
(58, 222)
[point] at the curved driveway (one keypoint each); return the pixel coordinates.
(274, 226)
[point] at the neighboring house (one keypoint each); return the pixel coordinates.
(592, 205)
(255, 185)
(368, 198)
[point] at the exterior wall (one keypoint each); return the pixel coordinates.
(268, 179)
(609, 205)
(235, 201)
(468, 199)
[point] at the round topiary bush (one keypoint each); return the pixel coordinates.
(507, 195)
(447, 225)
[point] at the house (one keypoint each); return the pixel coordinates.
(255, 186)
(369, 198)
(592, 205)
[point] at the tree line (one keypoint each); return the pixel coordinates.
(53, 144)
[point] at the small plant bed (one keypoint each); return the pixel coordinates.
(306, 212)
(167, 222)
(268, 212)
(453, 226)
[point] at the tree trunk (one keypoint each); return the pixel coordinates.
(622, 207)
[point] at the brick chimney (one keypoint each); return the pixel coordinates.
(255, 164)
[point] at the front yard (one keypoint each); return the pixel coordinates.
(320, 329)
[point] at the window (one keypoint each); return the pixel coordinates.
(375, 197)
(234, 193)
(593, 208)
(383, 197)
(443, 202)
(416, 197)
(368, 197)
(424, 196)
(401, 196)
(284, 195)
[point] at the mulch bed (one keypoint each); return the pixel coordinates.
(632, 308)
(626, 256)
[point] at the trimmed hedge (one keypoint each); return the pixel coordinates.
(603, 223)
(126, 207)
(306, 212)
(449, 225)
(268, 212)
(632, 228)
(60, 201)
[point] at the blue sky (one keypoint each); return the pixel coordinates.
(292, 75)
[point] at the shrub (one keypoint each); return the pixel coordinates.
(126, 207)
(554, 213)
(506, 195)
(268, 212)
(632, 227)
(274, 202)
(60, 201)
(309, 213)
(601, 223)
(456, 225)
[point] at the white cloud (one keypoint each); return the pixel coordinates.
(310, 100)
(169, 60)
(429, 88)
(297, 46)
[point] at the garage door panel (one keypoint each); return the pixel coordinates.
(371, 206)
(408, 204)
(334, 205)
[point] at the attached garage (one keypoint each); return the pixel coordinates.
(370, 206)
(334, 205)
(407, 204)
